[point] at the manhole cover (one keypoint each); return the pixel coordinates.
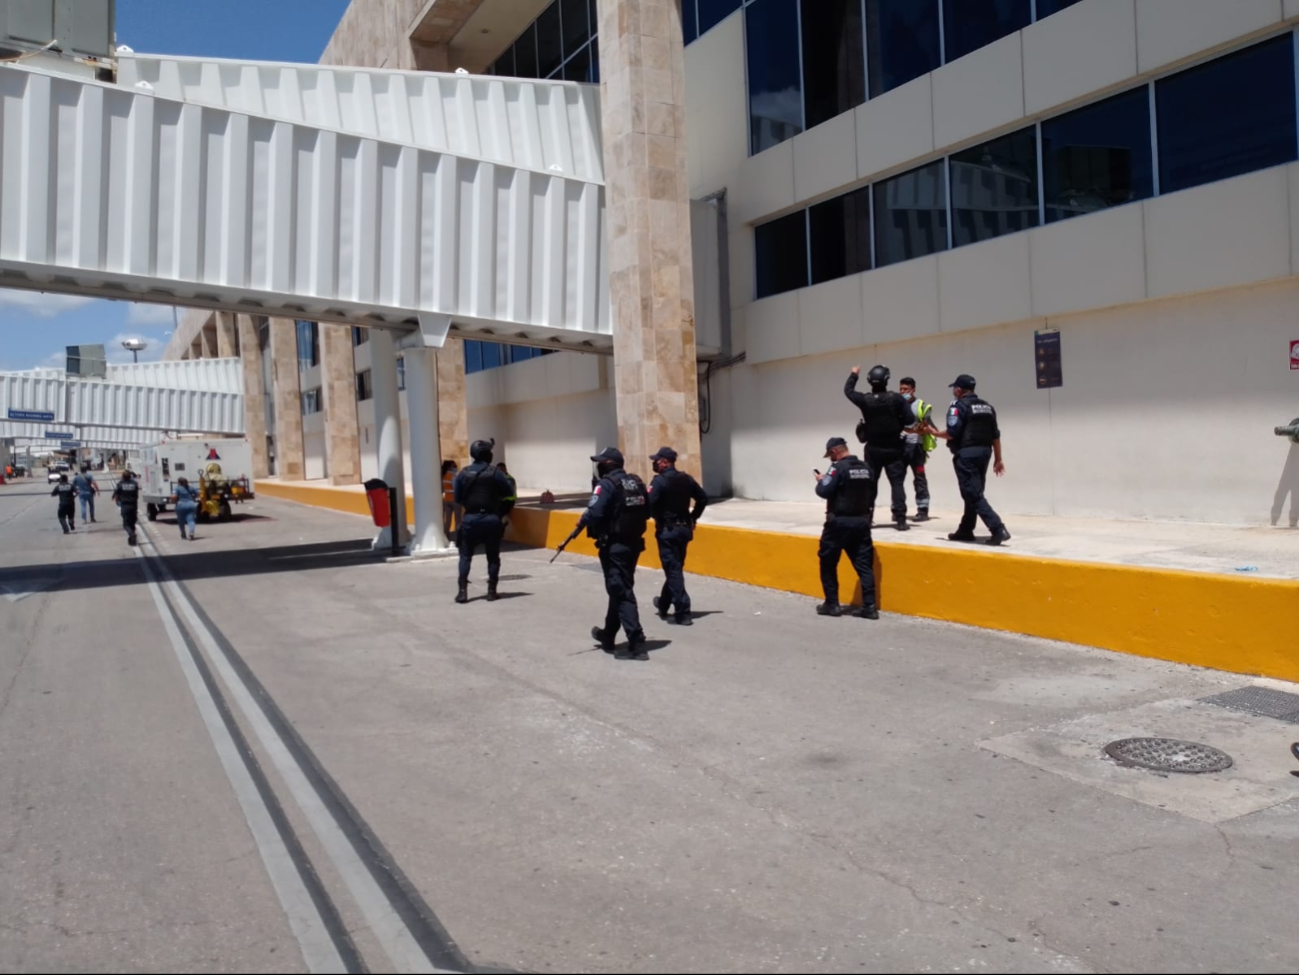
(1263, 701)
(1168, 755)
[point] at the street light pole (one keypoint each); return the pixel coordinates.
(135, 347)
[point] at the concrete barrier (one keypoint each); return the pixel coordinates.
(1248, 626)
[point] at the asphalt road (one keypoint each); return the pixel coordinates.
(267, 751)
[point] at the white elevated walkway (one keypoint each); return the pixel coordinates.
(373, 198)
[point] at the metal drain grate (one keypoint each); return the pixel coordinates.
(1168, 755)
(1262, 701)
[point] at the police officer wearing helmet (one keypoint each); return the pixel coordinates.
(974, 438)
(616, 519)
(885, 416)
(127, 496)
(670, 494)
(485, 497)
(848, 492)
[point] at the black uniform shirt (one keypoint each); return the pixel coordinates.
(670, 494)
(880, 410)
(971, 423)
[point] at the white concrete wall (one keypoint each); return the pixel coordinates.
(313, 446)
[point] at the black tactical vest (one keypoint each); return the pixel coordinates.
(482, 493)
(129, 492)
(676, 495)
(852, 496)
(879, 420)
(630, 509)
(67, 494)
(980, 423)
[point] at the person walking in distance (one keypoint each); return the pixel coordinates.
(67, 495)
(127, 497)
(484, 496)
(884, 417)
(974, 439)
(448, 495)
(919, 443)
(846, 487)
(616, 518)
(86, 487)
(185, 498)
(670, 494)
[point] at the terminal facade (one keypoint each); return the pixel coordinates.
(1091, 206)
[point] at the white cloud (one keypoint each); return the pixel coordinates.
(40, 304)
(149, 315)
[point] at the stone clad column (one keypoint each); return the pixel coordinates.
(290, 462)
(254, 393)
(338, 379)
(453, 411)
(651, 280)
(227, 335)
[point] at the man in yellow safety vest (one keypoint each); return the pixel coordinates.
(919, 445)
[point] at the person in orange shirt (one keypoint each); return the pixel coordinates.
(448, 495)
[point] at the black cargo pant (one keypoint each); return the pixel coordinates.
(673, 542)
(853, 536)
(891, 461)
(67, 517)
(618, 560)
(915, 458)
(481, 529)
(130, 518)
(971, 465)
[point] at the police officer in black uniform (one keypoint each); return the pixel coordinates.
(847, 489)
(616, 519)
(485, 496)
(127, 496)
(67, 495)
(884, 417)
(670, 495)
(973, 437)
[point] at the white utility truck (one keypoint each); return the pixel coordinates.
(219, 468)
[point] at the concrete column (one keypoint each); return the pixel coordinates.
(207, 341)
(338, 372)
(290, 462)
(425, 451)
(227, 335)
(250, 355)
(387, 430)
(453, 414)
(651, 279)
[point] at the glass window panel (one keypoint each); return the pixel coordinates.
(780, 248)
(1045, 8)
(595, 62)
(971, 24)
(994, 188)
(713, 12)
(504, 65)
(840, 235)
(775, 86)
(1098, 156)
(550, 41)
(578, 67)
(491, 355)
(1230, 116)
(525, 53)
(577, 28)
(473, 356)
(834, 68)
(911, 214)
(689, 21)
(902, 38)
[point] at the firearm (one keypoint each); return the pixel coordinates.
(564, 544)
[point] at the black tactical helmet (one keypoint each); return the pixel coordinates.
(481, 450)
(878, 376)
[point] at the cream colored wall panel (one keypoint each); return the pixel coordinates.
(987, 283)
(773, 328)
(1080, 50)
(763, 184)
(825, 157)
(743, 269)
(1092, 261)
(895, 128)
(1229, 233)
(1170, 30)
(830, 316)
(901, 301)
(1291, 9)
(717, 109)
(978, 93)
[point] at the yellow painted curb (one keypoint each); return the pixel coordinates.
(1243, 625)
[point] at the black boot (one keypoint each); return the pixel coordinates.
(866, 613)
(829, 609)
(999, 536)
(598, 636)
(635, 649)
(660, 608)
(463, 595)
(491, 592)
(900, 523)
(922, 515)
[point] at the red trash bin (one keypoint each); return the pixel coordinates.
(376, 492)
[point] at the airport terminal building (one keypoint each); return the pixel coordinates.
(1092, 206)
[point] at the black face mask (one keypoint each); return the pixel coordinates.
(605, 468)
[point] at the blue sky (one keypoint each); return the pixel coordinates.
(34, 328)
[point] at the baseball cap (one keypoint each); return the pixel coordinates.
(964, 380)
(665, 453)
(834, 442)
(609, 453)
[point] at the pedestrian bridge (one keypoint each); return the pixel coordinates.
(373, 198)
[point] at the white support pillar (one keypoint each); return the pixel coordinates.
(387, 429)
(425, 452)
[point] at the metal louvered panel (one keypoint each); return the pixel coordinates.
(517, 122)
(211, 375)
(201, 206)
(37, 391)
(37, 431)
